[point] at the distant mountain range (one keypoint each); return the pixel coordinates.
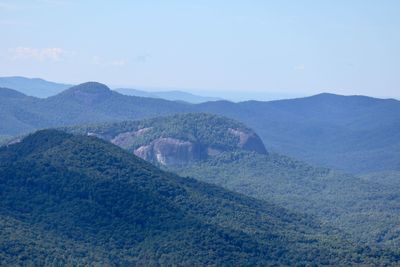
(168, 95)
(351, 133)
(76, 200)
(33, 86)
(40, 88)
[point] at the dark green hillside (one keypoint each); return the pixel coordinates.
(367, 209)
(72, 199)
(19, 113)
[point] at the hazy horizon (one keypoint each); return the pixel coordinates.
(276, 49)
(230, 95)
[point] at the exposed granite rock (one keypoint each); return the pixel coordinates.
(180, 139)
(249, 141)
(127, 139)
(171, 152)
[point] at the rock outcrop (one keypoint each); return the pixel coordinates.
(171, 152)
(180, 139)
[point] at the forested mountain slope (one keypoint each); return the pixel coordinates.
(351, 133)
(177, 140)
(363, 207)
(77, 200)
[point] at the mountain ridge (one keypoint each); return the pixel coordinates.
(331, 196)
(353, 135)
(83, 190)
(36, 87)
(173, 95)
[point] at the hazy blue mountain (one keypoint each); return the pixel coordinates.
(174, 95)
(86, 103)
(135, 92)
(75, 200)
(386, 178)
(33, 86)
(352, 133)
(224, 152)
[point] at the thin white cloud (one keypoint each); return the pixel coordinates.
(37, 54)
(300, 67)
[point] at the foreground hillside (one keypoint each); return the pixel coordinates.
(352, 133)
(79, 200)
(222, 151)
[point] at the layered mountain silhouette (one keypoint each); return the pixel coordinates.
(76, 200)
(353, 133)
(173, 95)
(41, 88)
(222, 151)
(33, 86)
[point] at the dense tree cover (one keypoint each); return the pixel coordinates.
(80, 200)
(201, 128)
(353, 133)
(363, 207)
(387, 178)
(367, 209)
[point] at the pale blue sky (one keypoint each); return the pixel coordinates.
(290, 47)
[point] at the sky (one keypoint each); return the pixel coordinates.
(214, 47)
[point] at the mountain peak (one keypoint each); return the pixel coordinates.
(91, 88)
(87, 93)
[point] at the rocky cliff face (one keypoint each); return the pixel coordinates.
(169, 151)
(249, 141)
(180, 139)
